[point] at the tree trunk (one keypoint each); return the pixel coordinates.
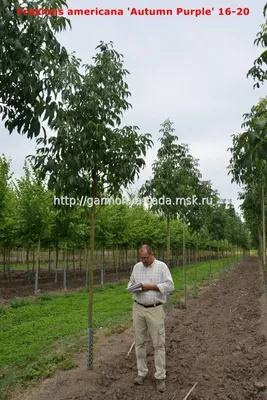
(91, 279)
(184, 262)
(37, 268)
(117, 261)
(49, 258)
(260, 231)
(56, 268)
(4, 261)
(8, 263)
(65, 267)
(80, 261)
(168, 240)
(33, 261)
(263, 227)
(113, 255)
(28, 265)
(67, 259)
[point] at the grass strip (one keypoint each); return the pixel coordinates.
(39, 337)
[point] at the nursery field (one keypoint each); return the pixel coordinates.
(216, 340)
(22, 284)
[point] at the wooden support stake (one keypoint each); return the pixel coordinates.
(130, 350)
(190, 391)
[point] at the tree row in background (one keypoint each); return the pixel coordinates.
(31, 218)
(90, 154)
(248, 163)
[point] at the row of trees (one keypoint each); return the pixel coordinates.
(89, 153)
(31, 217)
(248, 164)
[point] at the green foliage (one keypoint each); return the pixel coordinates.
(248, 166)
(30, 211)
(47, 366)
(31, 74)
(34, 208)
(175, 175)
(92, 153)
(251, 207)
(17, 303)
(8, 206)
(258, 72)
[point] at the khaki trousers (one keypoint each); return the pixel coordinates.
(149, 320)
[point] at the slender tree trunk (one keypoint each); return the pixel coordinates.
(114, 256)
(103, 257)
(39, 262)
(39, 255)
(102, 264)
(91, 285)
(117, 261)
(184, 264)
(8, 263)
(28, 265)
(65, 267)
(168, 240)
(4, 261)
(260, 231)
(37, 268)
(263, 228)
(56, 268)
(67, 258)
(80, 261)
(33, 261)
(49, 258)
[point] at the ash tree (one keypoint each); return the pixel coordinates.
(34, 214)
(34, 66)
(248, 162)
(251, 208)
(259, 71)
(8, 212)
(68, 229)
(175, 176)
(92, 153)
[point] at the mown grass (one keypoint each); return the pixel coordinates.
(40, 336)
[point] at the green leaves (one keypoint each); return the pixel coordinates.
(175, 175)
(91, 146)
(33, 65)
(258, 72)
(249, 151)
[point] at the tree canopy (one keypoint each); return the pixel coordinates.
(34, 67)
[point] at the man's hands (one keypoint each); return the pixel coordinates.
(148, 286)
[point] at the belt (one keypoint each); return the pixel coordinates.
(149, 306)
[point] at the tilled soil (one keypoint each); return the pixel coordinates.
(19, 287)
(218, 341)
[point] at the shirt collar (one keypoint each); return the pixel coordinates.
(151, 265)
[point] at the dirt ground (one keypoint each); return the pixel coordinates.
(19, 287)
(219, 341)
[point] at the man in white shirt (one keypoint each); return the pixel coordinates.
(148, 313)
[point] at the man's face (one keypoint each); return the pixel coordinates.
(146, 257)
